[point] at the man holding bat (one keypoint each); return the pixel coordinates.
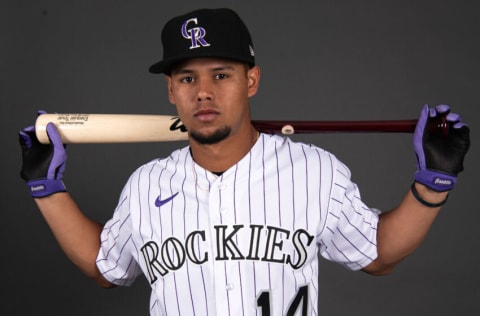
(233, 223)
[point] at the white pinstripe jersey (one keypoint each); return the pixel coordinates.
(243, 243)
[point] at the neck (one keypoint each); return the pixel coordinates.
(223, 155)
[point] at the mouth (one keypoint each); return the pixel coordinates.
(206, 115)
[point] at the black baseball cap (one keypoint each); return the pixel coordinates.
(218, 33)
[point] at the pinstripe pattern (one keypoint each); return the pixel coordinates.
(223, 241)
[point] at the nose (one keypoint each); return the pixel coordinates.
(204, 90)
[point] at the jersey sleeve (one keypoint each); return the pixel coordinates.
(349, 236)
(115, 259)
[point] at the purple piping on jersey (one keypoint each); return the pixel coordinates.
(250, 211)
(161, 236)
(224, 264)
(173, 229)
(280, 221)
(185, 228)
(198, 242)
(149, 209)
(235, 214)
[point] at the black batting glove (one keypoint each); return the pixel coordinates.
(440, 154)
(43, 164)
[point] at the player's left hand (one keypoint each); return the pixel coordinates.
(440, 155)
(43, 165)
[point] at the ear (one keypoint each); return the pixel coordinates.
(171, 97)
(253, 76)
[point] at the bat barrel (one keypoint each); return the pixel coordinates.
(305, 127)
(111, 128)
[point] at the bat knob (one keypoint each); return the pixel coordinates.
(439, 125)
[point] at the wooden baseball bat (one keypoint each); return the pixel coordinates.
(133, 128)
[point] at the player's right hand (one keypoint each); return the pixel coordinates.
(43, 165)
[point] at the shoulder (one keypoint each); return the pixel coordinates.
(284, 144)
(176, 160)
(299, 153)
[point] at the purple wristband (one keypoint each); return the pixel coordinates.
(435, 180)
(45, 187)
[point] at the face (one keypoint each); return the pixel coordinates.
(212, 97)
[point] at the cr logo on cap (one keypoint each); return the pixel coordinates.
(195, 34)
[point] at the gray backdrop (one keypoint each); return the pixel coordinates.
(331, 60)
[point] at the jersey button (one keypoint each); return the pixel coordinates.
(222, 186)
(223, 210)
(229, 287)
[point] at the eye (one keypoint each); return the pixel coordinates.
(221, 76)
(187, 79)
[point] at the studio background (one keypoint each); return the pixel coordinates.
(325, 60)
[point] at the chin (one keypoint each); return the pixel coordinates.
(210, 138)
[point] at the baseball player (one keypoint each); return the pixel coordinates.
(232, 223)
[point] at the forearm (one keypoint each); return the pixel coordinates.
(77, 235)
(439, 160)
(402, 230)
